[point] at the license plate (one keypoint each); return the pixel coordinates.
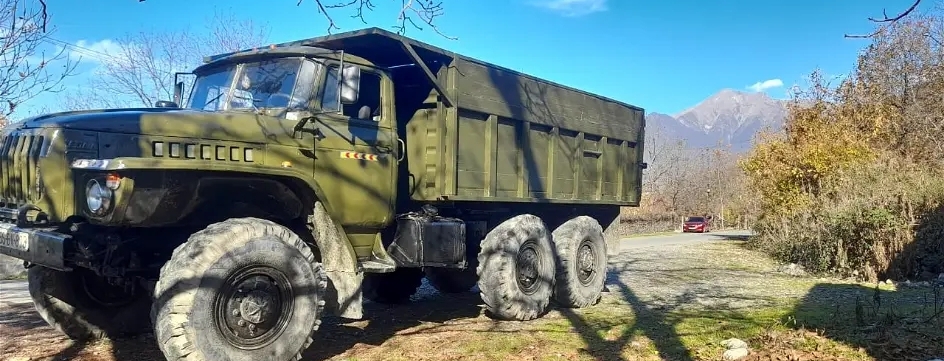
(11, 237)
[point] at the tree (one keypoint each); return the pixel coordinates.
(416, 13)
(854, 185)
(25, 70)
(887, 21)
(659, 148)
(141, 69)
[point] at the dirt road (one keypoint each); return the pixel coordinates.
(673, 297)
(16, 292)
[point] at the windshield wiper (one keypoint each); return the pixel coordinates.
(213, 100)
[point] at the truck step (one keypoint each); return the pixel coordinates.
(374, 266)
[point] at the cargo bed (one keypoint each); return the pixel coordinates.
(475, 131)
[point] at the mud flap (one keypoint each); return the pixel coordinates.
(344, 296)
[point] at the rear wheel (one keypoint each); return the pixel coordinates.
(581, 266)
(242, 289)
(516, 269)
(83, 306)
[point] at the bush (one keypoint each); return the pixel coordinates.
(883, 220)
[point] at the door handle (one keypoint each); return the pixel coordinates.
(402, 149)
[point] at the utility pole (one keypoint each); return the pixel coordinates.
(708, 199)
(722, 210)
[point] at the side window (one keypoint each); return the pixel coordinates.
(329, 99)
(368, 101)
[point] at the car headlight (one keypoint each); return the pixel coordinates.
(97, 198)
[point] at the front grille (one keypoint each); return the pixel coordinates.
(19, 173)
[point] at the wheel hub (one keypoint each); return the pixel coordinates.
(257, 306)
(253, 307)
(585, 263)
(527, 268)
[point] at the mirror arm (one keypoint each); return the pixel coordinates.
(301, 124)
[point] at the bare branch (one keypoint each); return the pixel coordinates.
(418, 14)
(24, 67)
(141, 70)
(886, 21)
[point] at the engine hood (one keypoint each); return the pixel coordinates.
(173, 122)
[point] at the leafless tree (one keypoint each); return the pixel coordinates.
(25, 69)
(141, 69)
(658, 148)
(885, 21)
(902, 74)
(417, 14)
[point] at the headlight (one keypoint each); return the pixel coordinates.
(97, 197)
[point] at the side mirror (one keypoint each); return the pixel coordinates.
(350, 84)
(178, 91)
(165, 104)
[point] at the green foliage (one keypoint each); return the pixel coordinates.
(854, 186)
(868, 225)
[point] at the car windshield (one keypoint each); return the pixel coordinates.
(695, 219)
(272, 83)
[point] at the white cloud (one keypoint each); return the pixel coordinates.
(572, 7)
(97, 51)
(766, 84)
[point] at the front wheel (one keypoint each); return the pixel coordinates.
(86, 307)
(242, 289)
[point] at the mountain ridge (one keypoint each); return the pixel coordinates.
(729, 117)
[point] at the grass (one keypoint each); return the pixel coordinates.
(612, 330)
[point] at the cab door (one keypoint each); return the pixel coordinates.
(356, 155)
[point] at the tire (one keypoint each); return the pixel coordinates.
(204, 293)
(582, 259)
(393, 287)
(76, 304)
(505, 295)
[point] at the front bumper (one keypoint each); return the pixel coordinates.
(35, 245)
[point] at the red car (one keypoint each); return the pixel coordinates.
(697, 224)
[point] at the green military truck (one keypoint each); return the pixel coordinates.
(314, 174)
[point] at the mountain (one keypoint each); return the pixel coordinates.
(730, 117)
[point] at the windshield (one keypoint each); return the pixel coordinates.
(695, 219)
(272, 83)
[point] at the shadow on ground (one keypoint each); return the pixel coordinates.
(887, 324)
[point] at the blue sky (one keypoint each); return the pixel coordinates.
(662, 55)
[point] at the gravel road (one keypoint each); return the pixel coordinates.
(646, 275)
(13, 292)
(16, 292)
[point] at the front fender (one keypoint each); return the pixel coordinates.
(337, 254)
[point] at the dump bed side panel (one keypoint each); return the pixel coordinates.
(513, 138)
